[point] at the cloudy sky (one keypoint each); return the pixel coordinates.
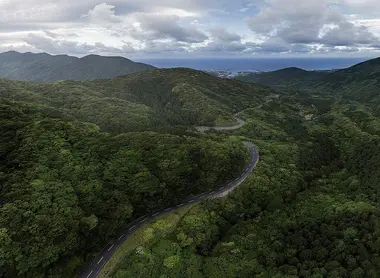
(192, 28)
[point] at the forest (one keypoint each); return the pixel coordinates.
(149, 100)
(80, 160)
(310, 209)
(71, 179)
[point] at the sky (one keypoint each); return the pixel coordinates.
(192, 28)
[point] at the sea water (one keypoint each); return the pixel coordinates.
(253, 64)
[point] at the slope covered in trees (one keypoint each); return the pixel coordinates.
(288, 77)
(360, 82)
(67, 186)
(146, 100)
(80, 160)
(311, 208)
(43, 67)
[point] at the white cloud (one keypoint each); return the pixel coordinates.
(102, 13)
(189, 26)
(309, 22)
(48, 44)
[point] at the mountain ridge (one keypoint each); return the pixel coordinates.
(43, 67)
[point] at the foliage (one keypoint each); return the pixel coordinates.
(288, 77)
(138, 102)
(67, 187)
(310, 209)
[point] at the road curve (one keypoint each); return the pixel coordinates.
(239, 124)
(239, 121)
(101, 259)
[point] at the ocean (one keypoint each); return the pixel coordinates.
(254, 64)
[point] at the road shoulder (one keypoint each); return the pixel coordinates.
(156, 229)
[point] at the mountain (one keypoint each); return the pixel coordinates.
(360, 82)
(287, 77)
(148, 99)
(43, 67)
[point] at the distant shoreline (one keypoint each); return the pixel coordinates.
(253, 64)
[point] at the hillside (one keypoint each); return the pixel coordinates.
(67, 186)
(288, 77)
(360, 82)
(310, 209)
(149, 99)
(43, 67)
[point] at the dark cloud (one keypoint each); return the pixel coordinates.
(222, 35)
(224, 47)
(271, 46)
(347, 34)
(223, 41)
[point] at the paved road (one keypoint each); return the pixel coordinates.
(107, 252)
(239, 124)
(239, 121)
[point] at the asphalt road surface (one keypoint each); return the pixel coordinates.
(239, 124)
(101, 259)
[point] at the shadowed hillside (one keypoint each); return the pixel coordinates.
(288, 77)
(43, 67)
(360, 82)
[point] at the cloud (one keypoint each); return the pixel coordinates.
(272, 45)
(222, 35)
(58, 46)
(51, 34)
(154, 47)
(102, 13)
(190, 26)
(223, 41)
(223, 47)
(308, 22)
(158, 27)
(345, 33)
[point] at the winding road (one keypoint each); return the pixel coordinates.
(239, 121)
(239, 124)
(101, 259)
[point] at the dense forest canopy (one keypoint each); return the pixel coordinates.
(79, 160)
(66, 186)
(360, 82)
(311, 208)
(141, 101)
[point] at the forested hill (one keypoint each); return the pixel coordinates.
(310, 208)
(141, 101)
(288, 77)
(43, 67)
(79, 160)
(360, 82)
